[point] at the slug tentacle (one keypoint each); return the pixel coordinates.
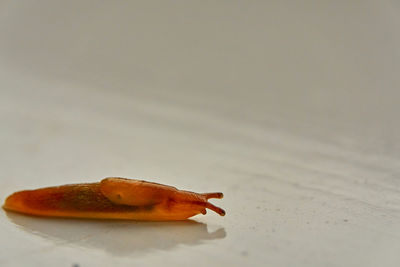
(215, 208)
(213, 195)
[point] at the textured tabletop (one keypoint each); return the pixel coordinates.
(291, 110)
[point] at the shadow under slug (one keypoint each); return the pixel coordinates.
(117, 237)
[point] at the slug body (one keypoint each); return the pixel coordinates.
(113, 198)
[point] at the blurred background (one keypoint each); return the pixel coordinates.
(291, 109)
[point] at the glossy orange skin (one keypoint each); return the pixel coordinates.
(113, 198)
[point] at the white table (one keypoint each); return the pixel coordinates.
(289, 109)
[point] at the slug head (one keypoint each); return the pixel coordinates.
(185, 202)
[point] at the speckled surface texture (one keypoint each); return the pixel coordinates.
(289, 109)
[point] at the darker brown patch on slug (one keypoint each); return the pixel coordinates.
(148, 207)
(83, 197)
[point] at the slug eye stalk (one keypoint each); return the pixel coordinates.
(213, 195)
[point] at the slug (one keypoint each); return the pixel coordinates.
(113, 198)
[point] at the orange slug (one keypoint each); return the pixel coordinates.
(113, 198)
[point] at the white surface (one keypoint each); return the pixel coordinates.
(290, 109)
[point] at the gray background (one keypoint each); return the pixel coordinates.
(291, 109)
